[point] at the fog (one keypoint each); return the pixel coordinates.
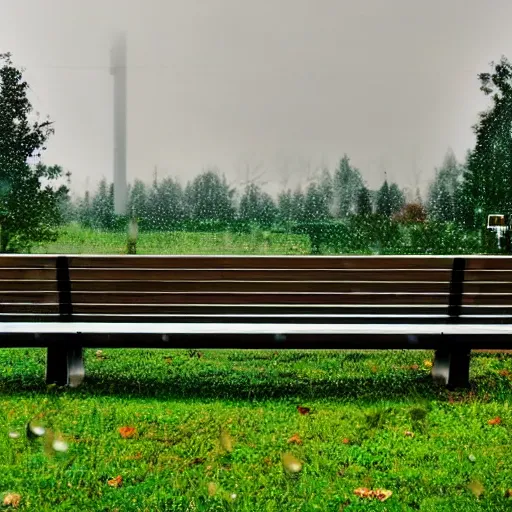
(268, 90)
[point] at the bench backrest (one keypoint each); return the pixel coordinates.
(294, 288)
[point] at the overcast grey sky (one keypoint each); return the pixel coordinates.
(284, 84)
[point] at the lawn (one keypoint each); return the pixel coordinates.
(171, 430)
(75, 240)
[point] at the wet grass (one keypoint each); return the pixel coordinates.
(76, 240)
(211, 428)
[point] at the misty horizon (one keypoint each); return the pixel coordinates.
(280, 89)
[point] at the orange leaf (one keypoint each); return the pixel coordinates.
(407, 433)
(116, 482)
(363, 492)
(346, 440)
(414, 367)
(495, 421)
(382, 494)
(504, 373)
(295, 439)
(127, 432)
(12, 500)
(303, 410)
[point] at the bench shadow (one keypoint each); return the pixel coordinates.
(363, 389)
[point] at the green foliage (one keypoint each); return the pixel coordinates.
(347, 182)
(364, 202)
(257, 207)
(444, 190)
(488, 177)
(390, 200)
(31, 208)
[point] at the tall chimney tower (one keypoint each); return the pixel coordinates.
(118, 62)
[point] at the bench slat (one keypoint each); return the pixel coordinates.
(8, 285)
(256, 298)
(263, 262)
(27, 261)
(29, 297)
(143, 309)
(258, 286)
(258, 275)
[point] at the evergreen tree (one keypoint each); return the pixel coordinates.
(347, 182)
(364, 202)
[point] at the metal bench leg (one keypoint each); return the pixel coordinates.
(65, 366)
(451, 367)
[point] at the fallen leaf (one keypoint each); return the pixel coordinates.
(495, 421)
(476, 488)
(346, 440)
(12, 500)
(212, 489)
(504, 373)
(427, 363)
(407, 433)
(225, 441)
(363, 492)
(291, 463)
(382, 494)
(100, 354)
(295, 439)
(116, 482)
(508, 493)
(168, 360)
(414, 367)
(127, 432)
(471, 458)
(303, 410)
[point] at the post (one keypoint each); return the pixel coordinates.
(119, 71)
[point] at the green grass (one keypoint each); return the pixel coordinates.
(75, 240)
(179, 401)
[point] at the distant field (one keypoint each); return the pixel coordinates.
(208, 430)
(76, 240)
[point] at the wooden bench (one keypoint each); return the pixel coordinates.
(65, 303)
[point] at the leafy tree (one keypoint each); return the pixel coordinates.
(316, 207)
(285, 206)
(364, 202)
(257, 206)
(30, 206)
(487, 180)
(102, 206)
(442, 195)
(138, 200)
(165, 207)
(209, 197)
(411, 213)
(390, 199)
(347, 182)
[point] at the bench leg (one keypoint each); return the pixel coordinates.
(65, 366)
(451, 367)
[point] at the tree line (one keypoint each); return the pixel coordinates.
(166, 204)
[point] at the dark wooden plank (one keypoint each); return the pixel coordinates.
(491, 299)
(27, 261)
(263, 262)
(257, 286)
(475, 287)
(29, 297)
(28, 273)
(489, 263)
(488, 275)
(36, 309)
(144, 309)
(27, 285)
(256, 298)
(259, 275)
